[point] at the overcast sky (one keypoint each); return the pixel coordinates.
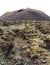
(12, 5)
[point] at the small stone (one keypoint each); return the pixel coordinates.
(44, 61)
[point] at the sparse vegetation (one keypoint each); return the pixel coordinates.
(25, 42)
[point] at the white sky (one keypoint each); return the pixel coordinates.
(11, 5)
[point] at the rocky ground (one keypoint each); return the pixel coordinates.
(25, 43)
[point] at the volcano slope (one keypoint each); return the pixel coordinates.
(25, 14)
(25, 42)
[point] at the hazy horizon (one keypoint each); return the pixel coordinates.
(13, 5)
